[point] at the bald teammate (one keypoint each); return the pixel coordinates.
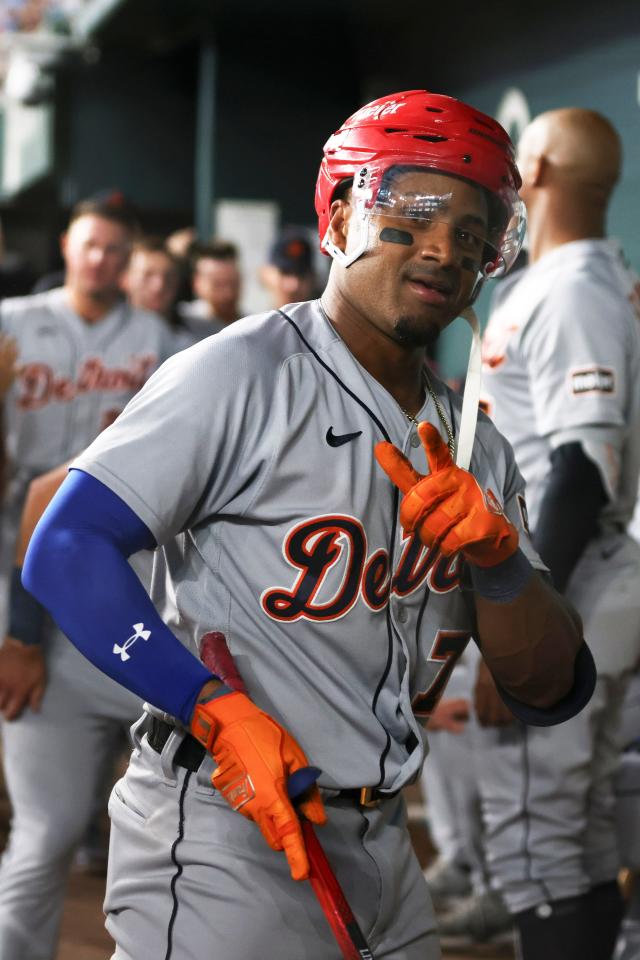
(562, 381)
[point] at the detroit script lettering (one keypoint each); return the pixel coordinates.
(316, 546)
(38, 384)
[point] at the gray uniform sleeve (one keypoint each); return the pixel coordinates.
(189, 442)
(575, 349)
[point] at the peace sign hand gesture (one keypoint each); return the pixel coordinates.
(448, 507)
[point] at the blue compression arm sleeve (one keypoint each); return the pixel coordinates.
(76, 566)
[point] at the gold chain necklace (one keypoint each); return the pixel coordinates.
(441, 414)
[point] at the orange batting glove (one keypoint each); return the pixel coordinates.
(255, 758)
(448, 507)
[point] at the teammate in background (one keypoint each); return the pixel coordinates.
(288, 275)
(248, 461)
(151, 282)
(182, 243)
(562, 381)
(217, 285)
(468, 910)
(627, 791)
(448, 816)
(152, 277)
(83, 352)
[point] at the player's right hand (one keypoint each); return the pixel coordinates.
(23, 678)
(255, 758)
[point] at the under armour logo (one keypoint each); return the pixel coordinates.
(140, 633)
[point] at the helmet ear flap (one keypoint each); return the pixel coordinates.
(359, 243)
(357, 238)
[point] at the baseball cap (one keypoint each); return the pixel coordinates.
(291, 251)
(111, 203)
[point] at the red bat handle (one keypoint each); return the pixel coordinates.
(348, 934)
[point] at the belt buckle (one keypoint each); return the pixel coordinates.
(367, 798)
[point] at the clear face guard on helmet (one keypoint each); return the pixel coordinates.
(486, 239)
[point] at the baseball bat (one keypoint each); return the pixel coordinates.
(216, 656)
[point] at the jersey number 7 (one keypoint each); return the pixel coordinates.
(447, 649)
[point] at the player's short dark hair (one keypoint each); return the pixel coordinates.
(113, 208)
(153, 243)
(215, 250)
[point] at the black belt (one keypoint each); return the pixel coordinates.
(190, 755)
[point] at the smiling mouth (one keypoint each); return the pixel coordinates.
(430, 290)
(436, 283)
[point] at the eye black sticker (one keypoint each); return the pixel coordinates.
(391, 235)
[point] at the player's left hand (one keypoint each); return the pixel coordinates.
(256, 757)
(448, 508)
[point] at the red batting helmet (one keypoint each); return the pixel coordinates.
(418, 128)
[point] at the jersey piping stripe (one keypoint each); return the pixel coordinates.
(335, 376)
(394, 523)
(177, 874)
(526, 815)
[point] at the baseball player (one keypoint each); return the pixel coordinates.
(152, 277)
(217, 284)
(627, 791)
(562, 380)
(288, 273)
(83, 352)
(248, 463)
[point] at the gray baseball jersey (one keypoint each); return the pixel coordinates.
(250, 459)
(562, 364)
(75, 377)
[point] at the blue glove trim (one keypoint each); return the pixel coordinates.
(76, 566)
(505, 581)
(584, 682)
(26, 616)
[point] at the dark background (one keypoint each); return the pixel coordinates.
(180, 103)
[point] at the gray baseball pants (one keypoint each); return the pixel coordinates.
(190, 878)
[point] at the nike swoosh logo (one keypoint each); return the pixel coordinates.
(337, 439)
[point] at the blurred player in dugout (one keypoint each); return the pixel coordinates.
(289, 275)
(81, 353)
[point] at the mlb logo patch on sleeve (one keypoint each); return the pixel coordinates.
(588, 380)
